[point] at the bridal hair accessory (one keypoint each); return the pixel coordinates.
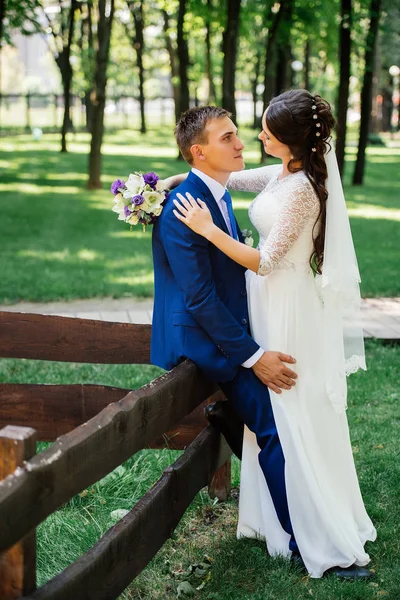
(339, 286)
(318, 124)
(140, 200)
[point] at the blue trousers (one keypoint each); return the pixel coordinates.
(250, 399)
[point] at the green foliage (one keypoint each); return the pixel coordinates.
(20, 15)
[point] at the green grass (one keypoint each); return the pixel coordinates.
(240, 570)
(61, 241)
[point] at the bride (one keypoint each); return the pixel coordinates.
(302, 280)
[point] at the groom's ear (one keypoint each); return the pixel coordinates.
(197, 152)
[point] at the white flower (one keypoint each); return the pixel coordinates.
(121, 216)
(133, 220)
(157, 211)
(160, 186)
(249, 241)
(119, 203)
(153, 198)
(134, 185)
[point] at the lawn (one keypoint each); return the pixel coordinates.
(60, 240)
(240, 570)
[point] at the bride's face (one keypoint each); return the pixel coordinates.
(272, 145)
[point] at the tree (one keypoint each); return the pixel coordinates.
(104, 28)
(284, 53)
(61, 27)
(183, 58)
(174, 62)
(270, 61)
(270, 54)
(136, 10)
(87, 56)
(366, 92)
(67, 79)
(3, 4)
(344, 81)
(389, 47)
(18, 15)
(212, 94)
(229, 50)
(253, 32)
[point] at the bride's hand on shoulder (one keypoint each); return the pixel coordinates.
(195, 214)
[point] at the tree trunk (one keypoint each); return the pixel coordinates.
(270, 58)
(376, 117)
(3, 8)
(387, 106)
(183, 55)
(173, 59)
(254, 85)
(28, 113)
(89, 91)
(366, 92)
(229, 49)
(104, 26)
(284, 71)
(344, 82)
(212, 94)
(307, 65)
(64, 64)
(136, 9)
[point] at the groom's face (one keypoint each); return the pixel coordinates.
(223, 148)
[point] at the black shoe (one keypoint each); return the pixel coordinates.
(222, 416)
(353, 572)
(297, 560)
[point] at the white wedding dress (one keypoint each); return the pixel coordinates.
(327, 512)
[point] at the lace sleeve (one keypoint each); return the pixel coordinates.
(252, 180)
(300, 207)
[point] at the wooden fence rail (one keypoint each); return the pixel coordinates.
(48, 337)
(112, 563)
(89, 444)
(89, 452)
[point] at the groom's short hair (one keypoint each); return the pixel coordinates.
(191, 127)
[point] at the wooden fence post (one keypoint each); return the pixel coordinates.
(18, 563)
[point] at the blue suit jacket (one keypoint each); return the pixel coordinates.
(200, 303)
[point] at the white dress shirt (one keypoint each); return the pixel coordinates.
(218, 191)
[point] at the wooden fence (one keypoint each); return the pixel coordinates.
(94, 429)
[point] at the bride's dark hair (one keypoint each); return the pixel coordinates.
(291, 118)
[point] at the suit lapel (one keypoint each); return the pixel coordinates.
(209, 200)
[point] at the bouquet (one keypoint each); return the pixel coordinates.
(140, 199)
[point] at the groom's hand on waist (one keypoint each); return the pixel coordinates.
(273, 372)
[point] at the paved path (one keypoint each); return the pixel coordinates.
(380, 316)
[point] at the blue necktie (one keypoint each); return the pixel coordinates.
(228, 201)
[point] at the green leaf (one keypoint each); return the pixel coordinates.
(185, 589)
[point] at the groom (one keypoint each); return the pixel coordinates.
(200, 304)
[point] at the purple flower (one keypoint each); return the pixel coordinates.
(137, 200)
(127, 212)
(151, 179)
(118, 183)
